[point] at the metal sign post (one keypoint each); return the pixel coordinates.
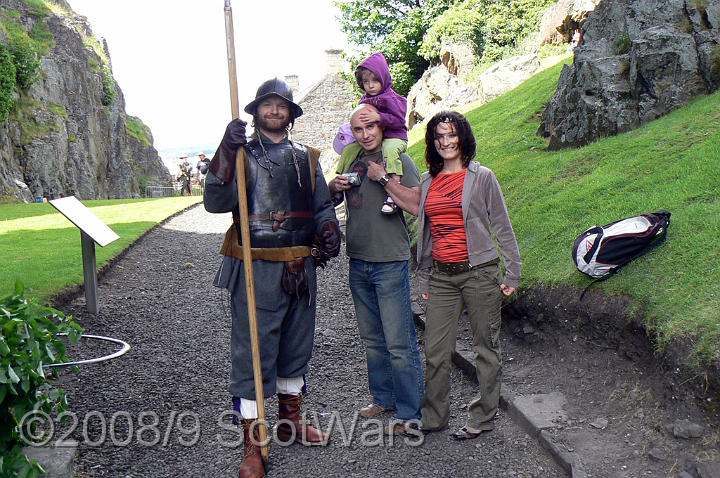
(92, 230)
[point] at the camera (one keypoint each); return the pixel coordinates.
(353, 179)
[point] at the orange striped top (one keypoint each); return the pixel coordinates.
(443, 207)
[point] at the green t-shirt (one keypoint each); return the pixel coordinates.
(371, 235)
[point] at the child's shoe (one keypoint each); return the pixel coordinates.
(389, 206)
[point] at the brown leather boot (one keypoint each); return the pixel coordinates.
(252, 464)
(290, 421)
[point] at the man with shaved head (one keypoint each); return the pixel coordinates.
(378, 246)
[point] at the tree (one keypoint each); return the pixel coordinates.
(368, 22)
(395, 28)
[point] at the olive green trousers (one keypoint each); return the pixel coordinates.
(478, 291)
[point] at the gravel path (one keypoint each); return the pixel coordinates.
(163, 410)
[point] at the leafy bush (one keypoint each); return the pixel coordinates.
(495, 29)
(108, 86)
(7, 82)
(143, 180)
(622, 44)
(27, 63)
(403, 77)
(43, 37)
(57, 109)
(455, 25)
(28, 340)
(37, 8)
(24, 51)
(138, 130)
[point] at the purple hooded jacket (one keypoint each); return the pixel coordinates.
(391, 106)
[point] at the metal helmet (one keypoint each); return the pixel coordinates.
(276, 87)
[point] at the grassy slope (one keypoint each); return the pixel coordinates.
(671, 163)
(42, 248)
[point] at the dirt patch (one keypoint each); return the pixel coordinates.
(629, 410)
(604, 321)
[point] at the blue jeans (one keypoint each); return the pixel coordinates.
(381, 293)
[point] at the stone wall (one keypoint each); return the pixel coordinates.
(326, 106)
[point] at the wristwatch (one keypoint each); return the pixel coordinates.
(384, 180)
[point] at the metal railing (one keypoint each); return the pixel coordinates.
(170, 191)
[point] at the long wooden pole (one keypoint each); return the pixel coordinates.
(245, 236)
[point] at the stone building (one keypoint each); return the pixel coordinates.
(326, 105)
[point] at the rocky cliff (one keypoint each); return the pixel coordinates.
(637, 60)
(68, 133)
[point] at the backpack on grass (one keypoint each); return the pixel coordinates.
(600, 251)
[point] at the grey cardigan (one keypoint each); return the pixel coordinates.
(484, 213)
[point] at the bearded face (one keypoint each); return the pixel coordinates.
(273, 115)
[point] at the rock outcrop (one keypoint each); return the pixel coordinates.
(444, 86)
(637, 60)
(61, 139)
(560, 21)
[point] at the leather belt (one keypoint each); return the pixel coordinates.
(277, 216)
(454, 268)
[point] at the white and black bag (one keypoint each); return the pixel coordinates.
(600, 251)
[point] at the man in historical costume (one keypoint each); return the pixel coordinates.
(289, 206)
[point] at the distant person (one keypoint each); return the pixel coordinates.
(461, 209)
(202, 168)
(288, 207)
(184, 176)
(373, 77)
(575, 41)
(379, 249)
(576, 37)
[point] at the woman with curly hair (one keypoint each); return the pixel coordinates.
(461, 207)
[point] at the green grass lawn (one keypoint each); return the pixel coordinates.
(671, 163)
(42, 248)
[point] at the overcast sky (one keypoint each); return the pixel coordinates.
(169, 56)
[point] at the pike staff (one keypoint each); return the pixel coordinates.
(245, 235)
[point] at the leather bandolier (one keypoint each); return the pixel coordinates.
(280, 187)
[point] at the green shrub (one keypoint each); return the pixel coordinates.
(108, 86)
(57, 109)
(143, 180)
(24, 51)
(28, 340)
(94, 64)
(138, 130)
(7, 82)
(43, 37)
(496, 29)
(37, 8)
(455, 25)
(402, 76)
(622, 44)
(27, 63)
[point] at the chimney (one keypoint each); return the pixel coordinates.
(335, 62)
(293, 81)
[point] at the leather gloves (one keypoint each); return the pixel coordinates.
(234, 135)
(330, 238)
(223, 162)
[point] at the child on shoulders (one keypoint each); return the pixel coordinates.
(373, 77)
